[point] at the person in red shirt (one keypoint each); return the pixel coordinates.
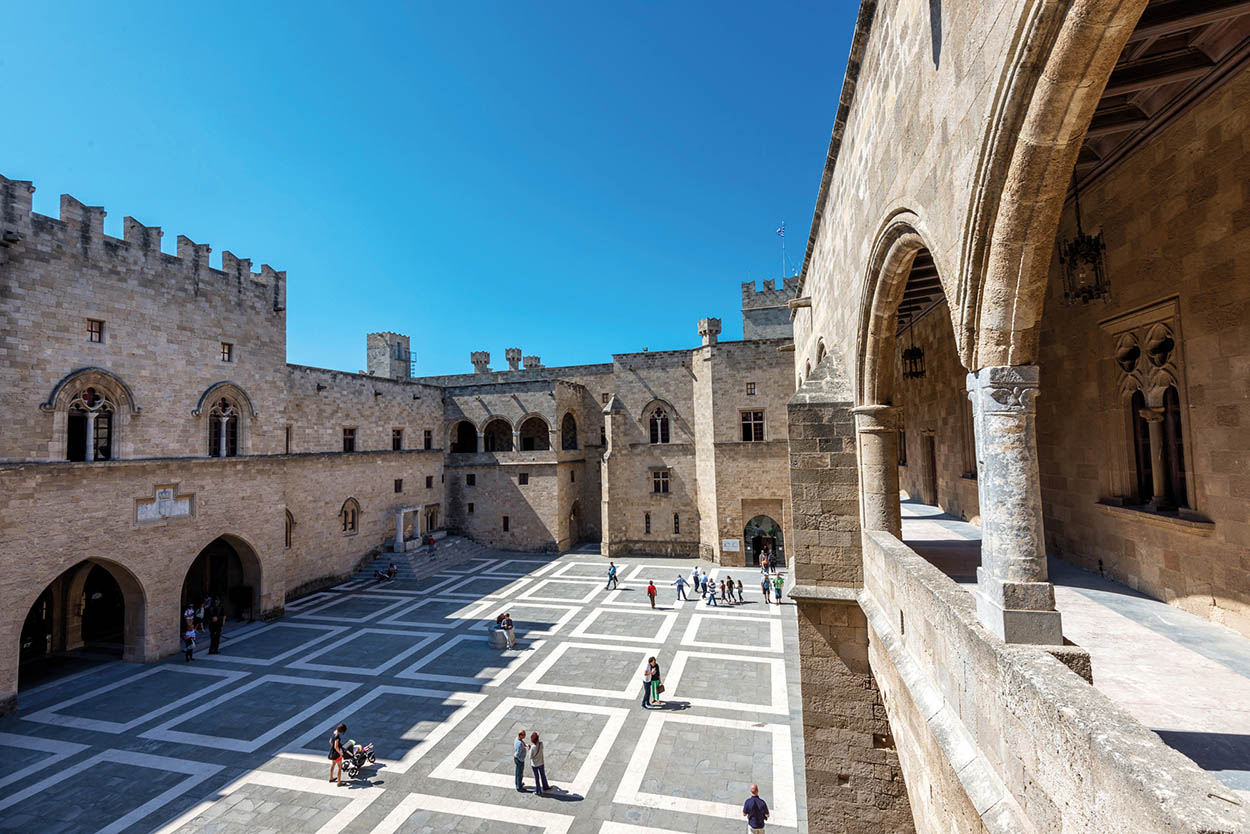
(651, 592)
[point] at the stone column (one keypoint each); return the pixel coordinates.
(1158, 475)
(1014, 598)
(221, 439)
(481, 442)
(399, 532)
(91, 415)
(516, 440)
(876, 427)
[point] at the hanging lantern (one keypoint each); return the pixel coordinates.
(1084, 264)
(913, 361)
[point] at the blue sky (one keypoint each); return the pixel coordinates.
(570, 178)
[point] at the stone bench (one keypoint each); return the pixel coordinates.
(498, 640)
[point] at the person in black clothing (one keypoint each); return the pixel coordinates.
(336, 754)
(216, 619)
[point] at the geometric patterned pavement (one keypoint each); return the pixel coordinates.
(236, 743)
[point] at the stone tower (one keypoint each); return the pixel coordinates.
(709, 330)
(766, 313)
(389, 355)
(513, 355)
(481, 361)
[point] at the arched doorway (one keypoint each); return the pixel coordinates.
(90, 613)
(226, 569)
(763, 535)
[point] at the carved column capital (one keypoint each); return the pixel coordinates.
(1005, 389)
(877, 418)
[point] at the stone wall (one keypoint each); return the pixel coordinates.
(1173, 215)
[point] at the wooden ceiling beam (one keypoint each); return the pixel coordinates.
(1179, 15)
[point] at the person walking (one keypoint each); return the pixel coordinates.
(646, 685)
(188, 644)
(680, 582)
(778, 582)
(536, 764)
(612, 581)
(756, 811)
(509, 630)
(656, 686)
(722, 590)
(729, 587)
(518, 758)
(336, 754)
(430, 550)
(768, 589)
(710, 595)
(694, 581)
(216, 619)
(740, 597)
(702, 583)
(651, 592)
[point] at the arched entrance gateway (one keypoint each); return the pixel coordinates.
(762, 535)
(226, 569)
(92, 611)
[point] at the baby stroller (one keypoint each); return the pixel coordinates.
(355, 757)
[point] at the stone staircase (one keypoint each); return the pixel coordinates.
(415, 565)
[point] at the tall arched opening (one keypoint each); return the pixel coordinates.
(568, 432)
(762, 536)
(463, 438)
(535, 435)
(497, 436)
(226, 569)
(92, 612)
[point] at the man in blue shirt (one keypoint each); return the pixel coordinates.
(681, 586)
(519, 748)
(756, 811)
(611, 576)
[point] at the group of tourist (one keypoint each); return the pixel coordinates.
(534, 750)
(209, 615)
(713, 591)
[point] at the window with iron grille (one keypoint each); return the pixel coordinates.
(646, 523)
(676, 524)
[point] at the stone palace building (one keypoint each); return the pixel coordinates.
(157, 445)
(1024, 302)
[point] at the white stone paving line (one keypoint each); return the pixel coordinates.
(389, 589)
(593, 589)
(518, 656)
(328, 632)
(58, 751)
(164, 733)
(316, 613)
(351, 585)
(426, 638)
(415, 802)
(781, 804)
(662, 599)
(775, 644)
(610, 827)
(779, 702)
(601, 571)
(469, 593)
(299, 748)
(582, 781)
(303, 602)
(51, 715)
(669, 619)
(529, 567)
(196, 772)
(631, 691)
(494, 608)
(475, 565)
(358, 799)
(467, 612)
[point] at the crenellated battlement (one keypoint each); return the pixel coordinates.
(79, 231)
(771, 295)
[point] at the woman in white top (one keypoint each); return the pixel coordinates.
(536, 764)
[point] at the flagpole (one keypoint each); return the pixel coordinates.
(782, 232)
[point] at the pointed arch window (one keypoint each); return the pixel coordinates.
(289, 532)
(223, 429)
(90, 427)
(349, 517)
(659, 426)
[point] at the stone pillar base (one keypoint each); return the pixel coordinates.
(1019, 625)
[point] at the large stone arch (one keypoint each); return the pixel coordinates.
(252, 573)
(109, 386)
(1047, 96)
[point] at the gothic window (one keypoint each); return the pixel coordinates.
(1174, 448)
(752, 426)
(349, 517)
(223, 429)
(289, 531)
(568, 432)
(90, 427)
(1141, 447)
(659, 426)
(659, 481)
